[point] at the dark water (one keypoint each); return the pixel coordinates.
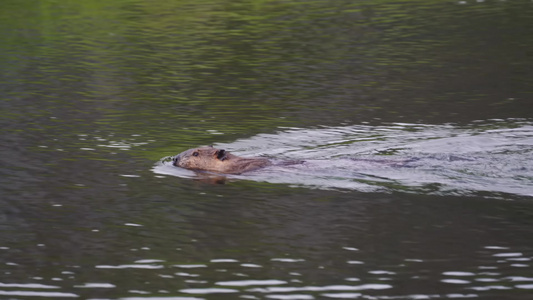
(415, 120)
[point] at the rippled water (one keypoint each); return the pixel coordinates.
(493, 156)
(289, 244)
(415, 120)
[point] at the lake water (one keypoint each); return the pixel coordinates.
(414, 119)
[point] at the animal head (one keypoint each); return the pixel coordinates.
(202, 158)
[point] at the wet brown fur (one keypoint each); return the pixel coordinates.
(217, 160)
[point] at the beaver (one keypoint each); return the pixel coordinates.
(218, 160)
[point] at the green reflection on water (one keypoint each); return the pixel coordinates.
(185, 73)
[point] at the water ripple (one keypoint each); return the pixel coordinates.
(493, 157)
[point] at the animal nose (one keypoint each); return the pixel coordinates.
(175, 160)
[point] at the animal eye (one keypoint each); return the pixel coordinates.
(221, 154)
(195, 154)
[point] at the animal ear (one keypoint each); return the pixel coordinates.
(221, 154)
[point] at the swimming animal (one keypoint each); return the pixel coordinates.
(218, 160)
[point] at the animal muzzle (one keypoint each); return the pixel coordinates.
(176, 160)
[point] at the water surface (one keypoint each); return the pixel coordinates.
(94, 94)
(491, 156)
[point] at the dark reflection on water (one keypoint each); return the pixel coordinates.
(95, 92)
(249, 239)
